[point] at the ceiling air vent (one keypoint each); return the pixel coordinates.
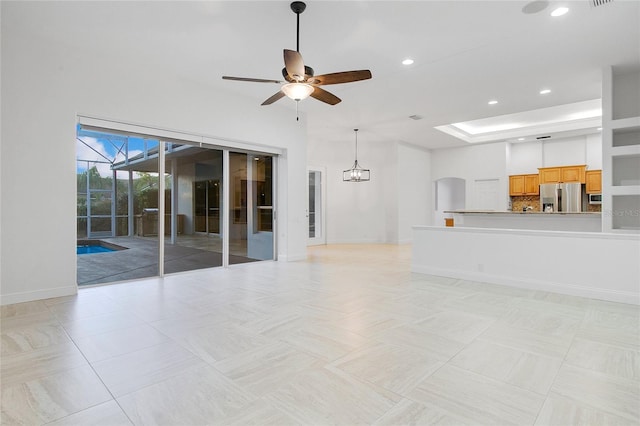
(543, 137)
(596, 3)
(416, 117)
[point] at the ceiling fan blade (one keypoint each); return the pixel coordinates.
(274, 98)
(340, 77)
(324, 96)
(294, 64)
(254, 80)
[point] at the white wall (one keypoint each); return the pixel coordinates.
(563, 152)
(384, 209)
(526, 157)
(593, 150)
(45, 85)
(475, 162)
(357, 212)
(414, 190)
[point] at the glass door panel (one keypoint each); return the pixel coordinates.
(193, 238)
(117, 205)
(251, 207)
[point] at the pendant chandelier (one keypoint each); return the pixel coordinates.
(356, 173)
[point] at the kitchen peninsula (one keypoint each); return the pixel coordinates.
(559, 221)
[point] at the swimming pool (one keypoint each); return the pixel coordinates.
(96, 246)
(92, 249)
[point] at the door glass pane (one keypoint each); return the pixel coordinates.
(251, 208)
(193, 238)
(117, 221)
(315, 204)
(312, 204)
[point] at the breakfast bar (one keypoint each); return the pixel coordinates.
(587, 264)
(559, 221)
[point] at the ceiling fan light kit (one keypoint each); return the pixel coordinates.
(297, 91)
(300, 81)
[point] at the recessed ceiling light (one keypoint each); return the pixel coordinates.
(599, 128)
(492, 102)
(520, 139)
(535, 6)
(559, 11)
(545, 91)
(407, 61)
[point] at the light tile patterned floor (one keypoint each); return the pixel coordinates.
(347, 337)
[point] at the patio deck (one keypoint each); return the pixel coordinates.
(140, 260)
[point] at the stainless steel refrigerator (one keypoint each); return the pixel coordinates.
(561, 197)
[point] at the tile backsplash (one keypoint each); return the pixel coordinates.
(520, 201)
(594, 208)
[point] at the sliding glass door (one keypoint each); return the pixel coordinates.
(135, 192)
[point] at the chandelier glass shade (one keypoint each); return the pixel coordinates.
(297, 91)
(356, 173)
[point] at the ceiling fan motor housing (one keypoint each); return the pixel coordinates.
(308, 73)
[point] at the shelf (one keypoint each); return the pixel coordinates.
(625, 170)
(625, 151)
(625, 190)
(624, 94)
(621, 151)
(629, 136)
(625, 123)
(625, 212)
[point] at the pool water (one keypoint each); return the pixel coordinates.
(92, 249)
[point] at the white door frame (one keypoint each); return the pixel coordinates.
(322, 238)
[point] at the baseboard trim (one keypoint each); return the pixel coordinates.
(553, 287)
(30, 296)
(356, 242)
(292, 258)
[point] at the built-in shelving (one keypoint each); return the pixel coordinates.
(621, 151)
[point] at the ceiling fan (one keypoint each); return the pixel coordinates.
(300, 82)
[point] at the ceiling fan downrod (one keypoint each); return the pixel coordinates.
(298, 7)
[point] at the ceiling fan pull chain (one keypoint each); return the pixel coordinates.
(297, 115)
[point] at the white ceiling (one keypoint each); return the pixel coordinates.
(465, 52)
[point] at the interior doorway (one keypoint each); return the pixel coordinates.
(450, 194)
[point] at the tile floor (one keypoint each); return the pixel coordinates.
(347, 337)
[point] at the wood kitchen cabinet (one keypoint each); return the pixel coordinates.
(573, 174)
(549, 175)
(594, 181)
(563, 174)
(523, 185)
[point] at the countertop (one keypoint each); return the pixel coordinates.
(521, 213)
